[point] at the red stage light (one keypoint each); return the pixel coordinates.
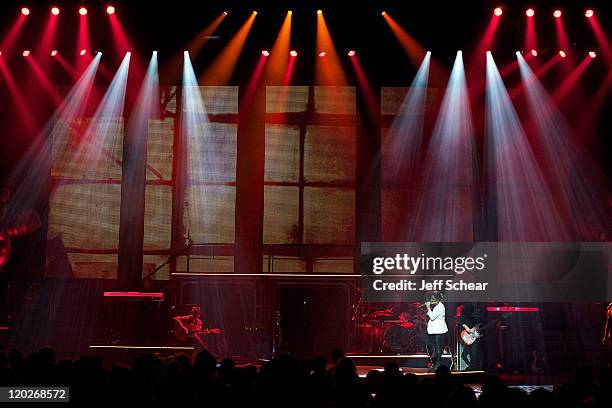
(25, 53)
(110, 9)
(25, 11)
(83, 52)
(589, 13)
(351, 53)
(82, 11)
(562, 54)
(530, 12)
(592, 54)
(53, 53)
(498, 11)
(55, 11)
(322, 54)
(265, 53)
(534, 53)
(293, 53)
(557, 13)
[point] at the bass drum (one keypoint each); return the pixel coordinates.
(401, 338)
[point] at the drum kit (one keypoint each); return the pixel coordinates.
(391, 330)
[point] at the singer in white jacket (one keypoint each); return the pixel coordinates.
(436, 328)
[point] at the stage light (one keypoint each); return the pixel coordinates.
(562, 54)
(83, 52)
(498, 11)
(322, 54)
(53, 53)
(293, 53)
(589, 13)
(384, 13)
(319, 12)
(534, 53)
(25, 11)
(255, 12)
(225, 13)
(557, 13)
(55, 11)
(25, 53)
(83, 11)
(265, 53)
(351, 53)
(592, 54)
(290, 12)
(110, 9)
(530, 12)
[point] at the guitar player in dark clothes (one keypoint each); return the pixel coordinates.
(471, 316)
(191, 326)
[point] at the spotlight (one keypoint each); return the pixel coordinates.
(562, 54)
(498, 11)
(25, 11)
(290, 12)
(322, 54)
(25, 53)
(557, 13)
(83, 52)
(83, 11)
(265, 53)
(225, 13)
(384, 13)
(185, 52)
(53, 53)
(351, 53)
(55, 11)
(589, 13)
(254, 12)
(534, 53)
(0, 52)
(530, 12)
(110, 9)
(319, 12)
(293, 53)
(592, 54)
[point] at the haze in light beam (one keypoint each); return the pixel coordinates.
(31, 173)
(404, 140)
(221, 70)
(579, 184)
(212, 161)
(521, 206)
(445, 206)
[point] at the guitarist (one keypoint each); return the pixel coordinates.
(470, 318)
(191, 326)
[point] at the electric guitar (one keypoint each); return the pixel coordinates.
(469, 338)
(181, 334)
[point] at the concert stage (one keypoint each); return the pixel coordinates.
(274, 199)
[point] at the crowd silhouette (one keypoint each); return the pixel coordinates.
(284, 381)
